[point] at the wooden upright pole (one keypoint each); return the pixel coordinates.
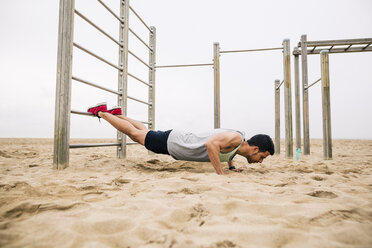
(326, 105)
(305, 95)
(288, 99)
(151, 108)
(297, 100)
(63, 87)
(277, 117)
(216, 68)
(123, 73)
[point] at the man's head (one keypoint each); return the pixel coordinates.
(262, 146)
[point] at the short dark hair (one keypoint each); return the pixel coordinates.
(264, 143)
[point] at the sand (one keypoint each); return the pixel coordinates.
(155, 201)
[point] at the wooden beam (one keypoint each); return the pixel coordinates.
(326, 105)
(305, 96)
(63, 87)
(338, 42)
(216, 70)
(277, 116)
(123, 74)
(288, 99)
(297, 100)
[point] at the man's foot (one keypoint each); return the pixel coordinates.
(115, 110)
(97, 108)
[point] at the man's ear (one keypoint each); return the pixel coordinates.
(255, 149)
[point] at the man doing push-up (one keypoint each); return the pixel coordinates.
(215, 146)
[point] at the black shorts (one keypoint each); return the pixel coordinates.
(156, 141)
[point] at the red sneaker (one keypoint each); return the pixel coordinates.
(115, 110)
(98, 107)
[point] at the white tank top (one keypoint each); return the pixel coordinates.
(191, 147)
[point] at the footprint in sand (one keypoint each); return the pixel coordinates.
(223, 244)
(94, 196)
(105, 227)
(120, 181)
(318, 178)
(323, 194)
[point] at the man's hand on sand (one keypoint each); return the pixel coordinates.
(233, 168)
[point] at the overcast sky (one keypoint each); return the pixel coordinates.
(186, 31)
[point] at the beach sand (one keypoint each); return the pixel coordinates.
(155, 201)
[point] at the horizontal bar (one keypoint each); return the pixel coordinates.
(280, 84)
(139, 38)
(96, 56)
(252, 50)
(93, 145)
(81, 113)
(90, 114)
(133, 143)
(139, 59)
(112, 12)
(338, 42)
(130, 7)
(313, 83)
(95, 85)
(168, 66)
(139, 79)
(98, 28)
(336, 50)
(347, 48)
(135, 99)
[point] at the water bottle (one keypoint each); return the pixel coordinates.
(298, 153)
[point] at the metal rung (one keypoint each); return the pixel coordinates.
(135, 99)
(366, 47)
(133, 143)
(95, 85)
(252, 50)
(139, 59)
(139, 38)
(81, 113)
(93, 145)
(112, 12)
(169, 66)
(90, 114)
(337, 50)
(139, 80)
(98, 28)
(280, 84)
(96, 56)
(348, 47)
(313, 83)
(134, 12)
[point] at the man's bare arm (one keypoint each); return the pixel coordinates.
(220, 142)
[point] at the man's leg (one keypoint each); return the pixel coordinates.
(136, 124)
(124, 126)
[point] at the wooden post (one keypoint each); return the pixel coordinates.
(297, 100)
(277, 117)
(287, 99)
(216, 67)
(305, 95)
(123, 73)
(63, 87)
(152, 62)
(326, 105)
